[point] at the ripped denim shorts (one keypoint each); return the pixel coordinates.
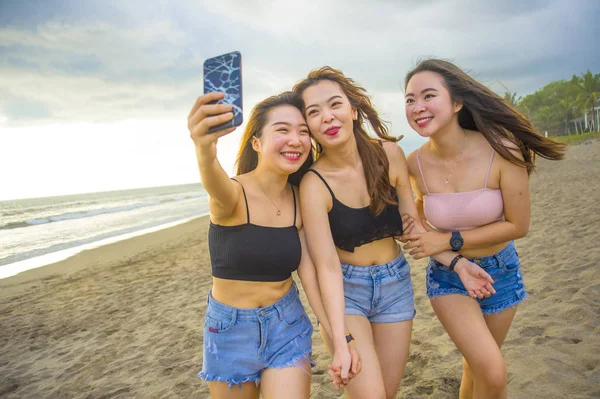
(240, 343)
(504, 267)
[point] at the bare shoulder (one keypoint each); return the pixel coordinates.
(394, 152)
(314, 195)
(413, 162)
(311, 185)
(513, 148)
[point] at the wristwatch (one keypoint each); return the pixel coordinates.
(456, 241)
(455, 261)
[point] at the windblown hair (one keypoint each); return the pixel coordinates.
(486, 112)
(374, 159)
(247, 158)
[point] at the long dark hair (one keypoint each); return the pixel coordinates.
(247, 158)
(486, 112)
(374, 159)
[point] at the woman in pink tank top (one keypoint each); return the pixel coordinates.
(471, 181)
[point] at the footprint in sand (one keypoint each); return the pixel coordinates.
(531, 331)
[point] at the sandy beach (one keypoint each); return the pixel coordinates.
(125, 320)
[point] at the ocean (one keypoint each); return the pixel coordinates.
(39, 231)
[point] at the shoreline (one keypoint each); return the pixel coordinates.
(21, 266)
(127, 246)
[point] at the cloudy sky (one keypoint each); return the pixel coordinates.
(94, 95)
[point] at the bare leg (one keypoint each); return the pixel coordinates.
(221, 390)
(289, 382)
(466, 326)
(498, 324)
(368, 384)
(392, 341)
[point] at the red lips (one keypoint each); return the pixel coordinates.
(332, 131)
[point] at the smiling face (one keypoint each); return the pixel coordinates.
(429, 107)
(285, 142)
(329, 114)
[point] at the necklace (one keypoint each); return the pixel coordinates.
(456, 159)
(266, 195)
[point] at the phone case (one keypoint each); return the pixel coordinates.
(224, 73)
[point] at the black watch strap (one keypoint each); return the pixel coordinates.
(455, 261)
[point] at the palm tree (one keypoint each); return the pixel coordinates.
(511, 98)
(565, 111)
(589, 92)
(544, 119)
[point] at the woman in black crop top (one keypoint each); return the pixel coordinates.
(256, 332)
(350, 204)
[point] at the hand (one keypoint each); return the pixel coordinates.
(477, 282)
(408, 224)
(339, 369)
(426, 244)
(203, 116)
(355, 368)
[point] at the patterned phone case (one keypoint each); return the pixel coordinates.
(224, 73)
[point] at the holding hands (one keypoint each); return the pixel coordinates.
(344, 366)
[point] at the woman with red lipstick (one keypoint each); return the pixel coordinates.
(256, 333)
(471, 180)
(350, 203)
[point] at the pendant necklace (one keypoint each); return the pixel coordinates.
(457, 158)
(273, 202)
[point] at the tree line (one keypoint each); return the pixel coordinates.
(562, 107)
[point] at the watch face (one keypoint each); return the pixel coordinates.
(456, 242)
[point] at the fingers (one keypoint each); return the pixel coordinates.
(410, 245)
(411, 237)
(202, 128)
(408, 223)
(485, 275)
(205, 99)
(334, 374)
(426, 225)
(207, 110)
(334, 379)
(355, 358)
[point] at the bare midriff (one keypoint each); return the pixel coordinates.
(249, 294)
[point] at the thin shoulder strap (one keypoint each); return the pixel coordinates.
(380, 142)
(323, 180)
(245, 200)
(489, 168)
(294, 195)
(421, 171)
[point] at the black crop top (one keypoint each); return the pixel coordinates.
(353, 227)
(250, 252)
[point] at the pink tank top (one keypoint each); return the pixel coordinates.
(463, 211)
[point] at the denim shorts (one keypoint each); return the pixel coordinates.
(240, 343)
(504, 267)
(382, 293)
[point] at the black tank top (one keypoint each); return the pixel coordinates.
(250, 252)
(353, 227)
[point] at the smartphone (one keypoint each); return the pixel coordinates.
(224, 73)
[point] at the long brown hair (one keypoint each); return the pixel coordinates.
(486, 112)
(374, 159)
(247, 158)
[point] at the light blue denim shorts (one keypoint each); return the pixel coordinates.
(240, 343)
(382, 293)
(504, 267)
